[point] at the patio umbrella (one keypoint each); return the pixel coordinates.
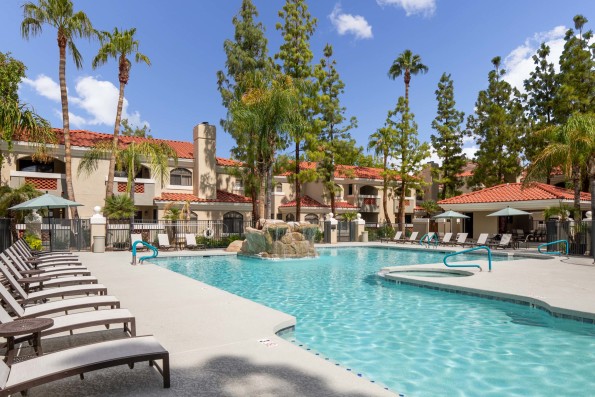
(450, 214)
(46, 201)
(508, 211)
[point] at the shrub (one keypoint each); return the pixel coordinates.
(33, 241)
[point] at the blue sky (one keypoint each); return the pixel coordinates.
(184, 40)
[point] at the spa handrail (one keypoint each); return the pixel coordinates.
(553, 252)
(470, 265)
(142, 258)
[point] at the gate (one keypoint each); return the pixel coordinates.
(67, 234)
(343, 232)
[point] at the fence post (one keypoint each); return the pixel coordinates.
(98, 227)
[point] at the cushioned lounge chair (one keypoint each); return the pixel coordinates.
(76, 361)
(163, 240)
(70, 322)
(57, 306)
(24, 297)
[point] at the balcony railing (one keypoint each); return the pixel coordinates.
(144, 190)
(367, 203)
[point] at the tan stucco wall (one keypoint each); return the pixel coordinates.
(484, 224)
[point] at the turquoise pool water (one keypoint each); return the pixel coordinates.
(415, 341)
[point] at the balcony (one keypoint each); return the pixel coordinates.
(144, 190)
(409, 205)
(369, 203)
(54, 184)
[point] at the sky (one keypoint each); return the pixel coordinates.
(184, 41)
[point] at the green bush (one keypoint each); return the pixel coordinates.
(372, 234)
(385, 231)
(319, 236)
(33, 241)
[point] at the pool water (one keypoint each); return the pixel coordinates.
(415, 341)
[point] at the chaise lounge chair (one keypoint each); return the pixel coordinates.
(396, 238)
(163, 240)
(411, 239)
(191, 242)
(76, 361)
(505, 242)
(446, 239)
(53, 271)
(461, 239)
(481, 240)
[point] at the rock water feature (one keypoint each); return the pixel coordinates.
(278, 239)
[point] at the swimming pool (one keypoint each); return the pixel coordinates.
(416, 341)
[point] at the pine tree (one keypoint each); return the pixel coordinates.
(408, 151)
(296, 56)
(246, 54)
(576, 77)
(541, 89)
(448, 143)
(498, 125)
(333, 132)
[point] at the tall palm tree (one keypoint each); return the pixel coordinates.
(572, 147)
(60, 14)
(118, 45)
(407, 64)
(381, 142)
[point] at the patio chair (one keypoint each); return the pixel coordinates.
(191, 242)
(446, 239)
(163, 240)
(134, 238)
(22, 244)
(505, 242)
(24, 375)
(23, 248)
(57, 306)
(411, 239)
(56, 281)
(51, 262)
(396, 238)
(481, 240)
(97, 289)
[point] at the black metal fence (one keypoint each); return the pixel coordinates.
(5, 234)
(208, 233)
(63, 234)
(577, 233)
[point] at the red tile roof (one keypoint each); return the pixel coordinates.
(515, 192)
(228, 162)
(222, 197)
(346, 171)
(344, 204)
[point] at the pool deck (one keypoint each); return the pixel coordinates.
(224, 345)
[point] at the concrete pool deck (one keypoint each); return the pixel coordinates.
(224, 345)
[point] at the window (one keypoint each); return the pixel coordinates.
(233, 222)
(312, 218)
(279, 188)
(35, 166)
(289, 218)
(180, 177)
(350, 190)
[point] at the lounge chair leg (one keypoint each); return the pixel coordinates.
(165, 373)
(82, 376)
(131, 365)
(106, 326)
(25, 392)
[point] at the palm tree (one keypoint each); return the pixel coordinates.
(119, 206)
(381, 142)
(407, 64)
(10, 197)
(16, 117)
(571, 146)
(118, 45)
(70, 25)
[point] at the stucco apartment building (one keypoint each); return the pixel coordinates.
(199, 178)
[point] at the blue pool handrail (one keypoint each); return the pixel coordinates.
(142, 258)
(482, 247)
(553, 252)
(429, 240)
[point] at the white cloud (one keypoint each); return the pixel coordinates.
(97, 98)
(45, 87)
(470, 151)
(412, 7)
(519, 64)
(347, 23)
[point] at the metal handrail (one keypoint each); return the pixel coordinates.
(470, 265)
(429, 240)
(142, 258)
(553, 252)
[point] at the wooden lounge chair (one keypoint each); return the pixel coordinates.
(76, 361)
(163, 240)
(481, 240)
(396, 238)
(411, 239)
(191, 242)
(57, 306)
(446, 239)
(97, 289)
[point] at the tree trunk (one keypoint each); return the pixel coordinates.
(385, 192)
(576, 180)
(402, 207)
(66, 123)
(109, 189)
(262, 196)
(298, 188)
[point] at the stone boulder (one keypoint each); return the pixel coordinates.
(235, 246)
(277, 239)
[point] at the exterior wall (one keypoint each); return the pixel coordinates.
(484, 224)
(205, 161)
